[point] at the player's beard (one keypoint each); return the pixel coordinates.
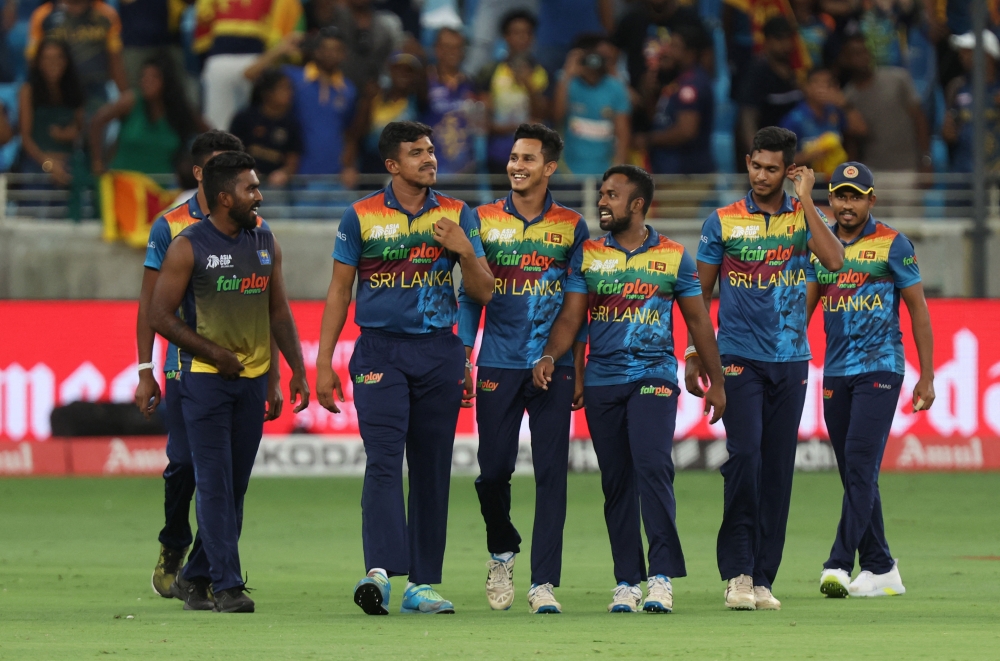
(615, 224)
(245, 217)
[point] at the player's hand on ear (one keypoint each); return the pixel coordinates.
(715, 402)
(695, 376)
(298, 390)
(327, 382)
(804, 179)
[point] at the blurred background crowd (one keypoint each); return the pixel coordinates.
(678, 87)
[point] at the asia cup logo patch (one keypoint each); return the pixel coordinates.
(264, 256)
(850, 172)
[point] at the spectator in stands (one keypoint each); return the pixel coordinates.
(681, 139)
(885, 25)
(593, 109)
(325, 104)
(371, 37)
(515, 89)
(156, 123)
(93, 32)
(269, 129)
(451, 105)
(824, 125)
(769, 90)
(231, 36)
(486, 28)
(644, 32)
(562, 22)
(957, 127)
(897, 139)
(51, 112)
(814, 28)
(149, 28)
(404, 100)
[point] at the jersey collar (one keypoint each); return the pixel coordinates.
(389, 199)
(508, 207)
(651, 240)
(786, 204)
(311, 73)
(194, 209)
(868, 229)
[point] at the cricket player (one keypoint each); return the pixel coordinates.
(529, 241)
(178, 477)
(225, 275)
(863, 373)
(760, 247)
(629, 280)
(401, 243)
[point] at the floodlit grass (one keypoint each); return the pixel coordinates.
(76, 556)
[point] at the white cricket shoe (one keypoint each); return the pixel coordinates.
(500, 584)
(541, 600)
(627, 599)
(868, 584)
(763, 599)
(659, 595)
(834, 583)
(739, 594)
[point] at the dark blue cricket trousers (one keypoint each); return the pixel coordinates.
(224, 421)
(859, 411)
(632, 428)
(407, 392)
(502, 397)
(178, 476)
(763, 409)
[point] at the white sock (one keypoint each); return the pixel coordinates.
(378, 570)
(503, 557)
(409, 584)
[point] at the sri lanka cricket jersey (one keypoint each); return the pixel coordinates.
(631, 296)
(404, 275)
(228, 297)
(763, 258)
(529, 261)
(861, 301)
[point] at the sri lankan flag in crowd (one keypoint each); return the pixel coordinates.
(760, 12)
(130, 202)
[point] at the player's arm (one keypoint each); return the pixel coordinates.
(812, 300)
(286, 335)
(477, 279)
(579, 367)
(823, 242)
(696, 378)
(275, 400)
(561, 338)
(175, 273)
(923, 335)
(469, 314)
(147, 393)
(338, 300)
(683, 131)
(703, 336)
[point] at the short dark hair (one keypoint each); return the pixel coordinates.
(815, 71)
(590, 41)
(695, 37)
(778, 27)
(267, 81)
(212, 141)
(640, 180)
(518, 15)
(552, 144)
(444, 30)
(773, 138)
(220, 173)
(330, 32)
(396, 133)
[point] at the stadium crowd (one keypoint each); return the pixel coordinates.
(678, 87)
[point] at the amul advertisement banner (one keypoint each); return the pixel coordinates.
(54, 353)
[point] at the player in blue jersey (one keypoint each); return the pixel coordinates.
(863, 373)
(178, 476)
(760, 246)
(401, 244)
(529, 241)
(629, 280)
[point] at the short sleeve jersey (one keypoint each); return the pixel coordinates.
(590, 123)
(692, 91)
(324, 107)
(630, 298)
(529, 260)
(861, 302)
(405, 282)
(763, 260)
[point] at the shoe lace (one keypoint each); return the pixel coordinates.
(658, 584)
(500, 574)
(625, 593)
(427, 592)
(246, 588)
(743, 583)
(543, 591)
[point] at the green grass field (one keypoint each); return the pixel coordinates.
(76, 555)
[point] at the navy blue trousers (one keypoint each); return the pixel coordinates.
(224, 420)
(407, 392)
(632, 428)
(763, 409)
(502, 397)
(859, 411)
(178, 476)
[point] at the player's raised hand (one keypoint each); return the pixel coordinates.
(695, 376)
(804, 179)
(541, 375)
(228, 364)
(715, 402)
(147, 393)
(451, 236)
(275, 400)
(298, 390)
(327, 382)
(923, 394)
(469, 390)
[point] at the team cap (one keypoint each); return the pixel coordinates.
(853, 174)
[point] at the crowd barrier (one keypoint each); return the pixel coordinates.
(59, 352)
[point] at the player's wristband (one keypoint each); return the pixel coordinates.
(690, 351)
(468, 365)
(147, 366)
(543, 358)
